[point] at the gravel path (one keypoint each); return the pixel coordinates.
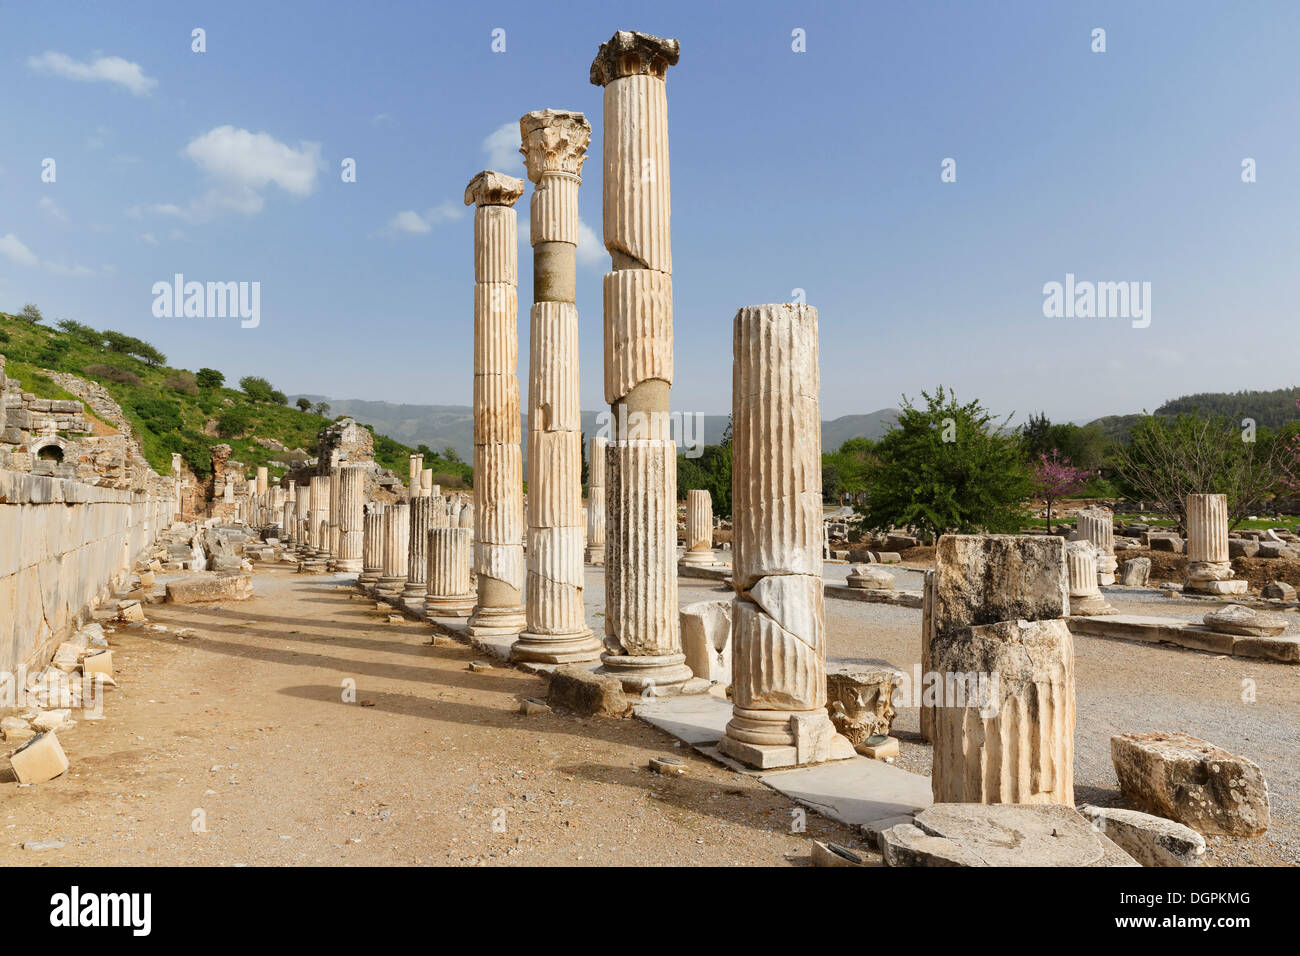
(243, 727)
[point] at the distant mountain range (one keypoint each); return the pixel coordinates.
(440, 426)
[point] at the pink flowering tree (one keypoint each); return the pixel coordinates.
(1055, 478)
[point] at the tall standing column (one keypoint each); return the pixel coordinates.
(397, 547)
(372, 547)
(262, 481)
(302, 524)
(451, 591)
(335, 499)
(554, 147)
(351, 518)
(1208, 568)
(426, 482)
(498, 470)
(643, 646)
(699, 530)
(778, 658)
(417, 562)
(318, 525)
(596, 501)
(288, 518)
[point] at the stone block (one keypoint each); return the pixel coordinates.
(40, 759)
(859, 698)
(1279, 591)
(870, 577)
(706, 640)
(984, 579)
(581, 691)
(1238, 619)
(1151, 840)
(210, 587)
(1135, 572)
(1191, 781)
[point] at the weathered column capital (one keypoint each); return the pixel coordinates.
(554, 141)
(629, 53)
(490, 188)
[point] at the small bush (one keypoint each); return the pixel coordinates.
(183, 382)
(234, 422)
(111, 373)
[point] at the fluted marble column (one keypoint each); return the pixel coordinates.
(351, 519)
(372, 548)
(417, 562)
(426, 482)
(416, 470)
(262, 481)
(397, 549)
(699, 530)
(319, 516)
(301, 522)
(335, 499)
(596, 501)
(643, 645)
(498, 473)
(1085, 595)
(1097, 525)
(1209, 569)
(554, 147)
(288, 518)
(778, 662)
(450, 587)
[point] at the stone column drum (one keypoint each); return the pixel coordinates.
(414, 480)
(302, 512)
(498, 468)
(1097, 525)
(642, 629)
(397, 549)
(319, 516)
(351, 516)
(1085, 595)
(778, 658)
(417, 562)
(262, 484)
(595, 553)
(335, 499)
(372, 549)
(1209, 569)
(699, 530)
(1003, 727)
(451, 589)
(554, 148)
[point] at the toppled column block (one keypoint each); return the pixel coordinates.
(870, 577)
(1189, 780)
(40, 759)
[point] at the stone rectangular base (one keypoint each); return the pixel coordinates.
(771, 757)
(1219, 587)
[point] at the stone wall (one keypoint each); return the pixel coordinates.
(63, 544)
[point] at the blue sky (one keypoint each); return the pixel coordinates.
(817, 170)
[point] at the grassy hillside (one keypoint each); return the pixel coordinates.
(176, 410)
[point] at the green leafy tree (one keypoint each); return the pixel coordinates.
(279, 397)
(450, 454)
(304, 404)
(82, 333)
(710, 472)
(947, 468)
(323, 409)
(234, 421)
(257, 388)
(1167, 459)
(31, 314)
(210, 378)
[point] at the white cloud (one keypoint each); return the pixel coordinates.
(412, 223)
(591, 250)
(12, 248)
(241, 165)
(16, 251)
(502, 148)
(51, 208)
(105, 69)
(380, 119)
(149, 237)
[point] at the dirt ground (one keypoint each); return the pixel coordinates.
(235, 746)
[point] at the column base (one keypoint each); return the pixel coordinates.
(415, 592)
(347, 566)
(1090, 605)
(556, 648)
(699, 559)
(443, 605)
(594, 555)
(663, 675)
(496, 621)
(1213, 577)
(765, 739)
(368, 577)
(390, 588)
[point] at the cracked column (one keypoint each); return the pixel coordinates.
(451, 590)
(315, 557)
(351, 519)
(778, 658)
(498, 471)
(1097, 524)
(397, 549)
(643, 645)
(596, 501)
(288, 519)
(554, 148)
(372, 548)
(1085, 594)
(699, 530)
(1208, 568)
(417, 562)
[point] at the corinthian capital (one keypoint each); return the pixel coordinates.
(629, 53)
(554, 141)
(490, 188)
